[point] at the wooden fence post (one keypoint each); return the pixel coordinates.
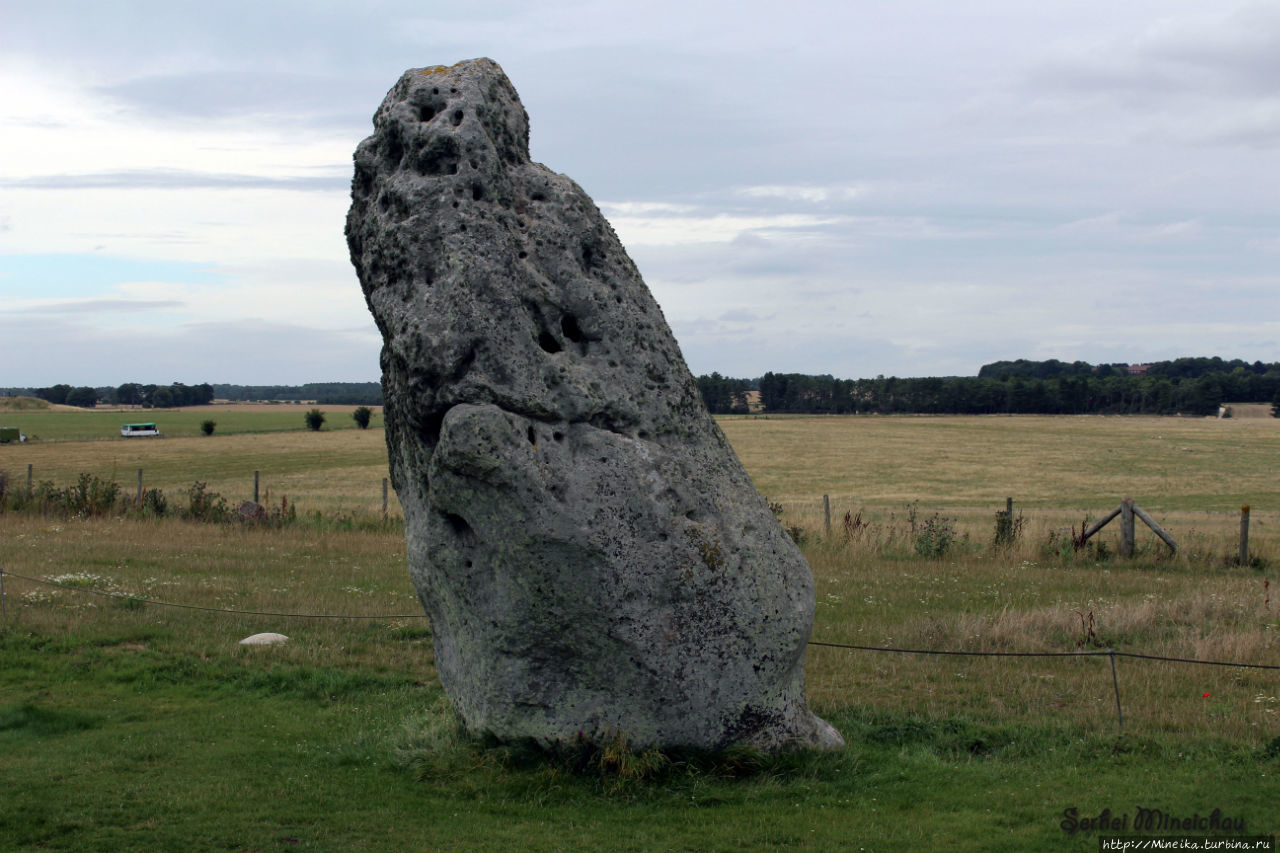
(384, 498)
(139, 501)
(255, 486)
(1244, 535)
(29, 492)
(826, 511)
(1155, 528)
(1126, 527)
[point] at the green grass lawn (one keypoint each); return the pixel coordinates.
(128, 726)
(94, 424)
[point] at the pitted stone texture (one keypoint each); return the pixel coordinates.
(591, 554)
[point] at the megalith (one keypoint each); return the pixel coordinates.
(592, 556)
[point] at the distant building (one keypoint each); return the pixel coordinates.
(1139, 369)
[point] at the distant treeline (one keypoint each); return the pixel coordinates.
(178, 394)
(1190, 386)
(331, 393)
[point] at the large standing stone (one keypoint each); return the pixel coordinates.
(591, 554)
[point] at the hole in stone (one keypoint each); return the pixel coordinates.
(456, 118)
(455, 204)
(395, 147)
(558, 436)
(524, 255)
(384, 202)
(435, 90)
(439, 156)
(548, 342)
(477, 192)
(533, 436)
(363, 180)
(426, 112)
(462, 227)
(474, 163)
(569, 325)
(457, 524)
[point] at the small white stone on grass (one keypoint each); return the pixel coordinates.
(263, 640)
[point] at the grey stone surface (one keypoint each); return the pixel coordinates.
(591, 554)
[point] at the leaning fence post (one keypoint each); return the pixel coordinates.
(384, 498)
(1155, 528)
(826, 512)
(1115, 682)
(1126, 527)
(255, 486)
(1244, 535)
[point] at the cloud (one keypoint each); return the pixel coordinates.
(335, 101)
(177, 179)
(99, 306)
(809, 194)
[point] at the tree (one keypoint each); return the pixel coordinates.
(129, 394)
(315, 419)
(361, 416)
(206, 427)
(85, 398)
(162, 398)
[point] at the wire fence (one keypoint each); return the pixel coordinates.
(1111, 654)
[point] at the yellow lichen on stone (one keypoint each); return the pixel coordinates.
(435, 69)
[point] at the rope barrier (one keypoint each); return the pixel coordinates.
(890, 649)
(1097, 653)
(967, 654)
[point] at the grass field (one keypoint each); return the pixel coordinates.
(132, 726)
(64, 423)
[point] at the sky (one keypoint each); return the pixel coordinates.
(905, 188)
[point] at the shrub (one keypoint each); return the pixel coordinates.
(935, 537)
(154, 503)
(315, 419)
(204, 505)
(206, 427)
(1008, 528)
(362, 416)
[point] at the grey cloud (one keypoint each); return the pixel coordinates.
(176, 179)
(102, 306)
(245, 352)
(332, 101)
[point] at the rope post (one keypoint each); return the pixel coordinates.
(1115, 682)
(255, 486)
(826, 512)
(1244, 535)
(384, 498)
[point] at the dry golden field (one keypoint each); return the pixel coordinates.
(1191, 472)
